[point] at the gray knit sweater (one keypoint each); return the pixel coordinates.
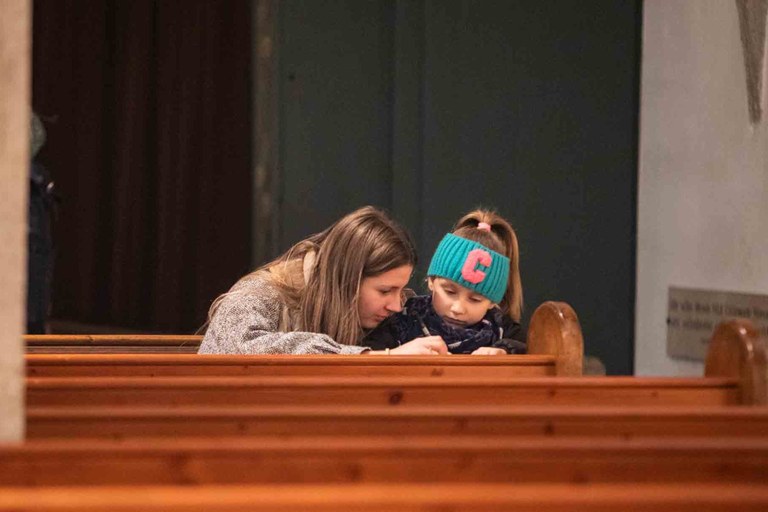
(251, 319)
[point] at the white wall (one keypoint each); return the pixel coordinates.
(703, 175)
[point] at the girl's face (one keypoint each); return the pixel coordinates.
(381, 295)
(457, 306)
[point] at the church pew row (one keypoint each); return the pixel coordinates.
(735, 374)
(555, 347)
(459, 460)
(735, 351)
(369, 459)
(536, 422)
(400, 497)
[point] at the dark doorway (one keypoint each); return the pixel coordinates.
(147, 107)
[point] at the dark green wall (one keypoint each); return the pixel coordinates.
(431, 108)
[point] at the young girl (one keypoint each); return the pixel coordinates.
(476, 294)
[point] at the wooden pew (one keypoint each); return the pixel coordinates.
(735, 374)
(468, 418)
(369, 459)
(555, 347)
(619, 466)
(542, 422)
(400, 497)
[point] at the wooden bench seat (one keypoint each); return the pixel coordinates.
(400, 497)
(225, 421)
(339, 459)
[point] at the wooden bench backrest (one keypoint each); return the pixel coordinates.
(545, 422)
(379, 391)
(201, 461)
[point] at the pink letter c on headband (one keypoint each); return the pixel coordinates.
(469, 271)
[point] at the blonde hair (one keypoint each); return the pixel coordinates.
(364, 243)
(502, 239)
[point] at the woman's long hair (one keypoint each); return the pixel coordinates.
(502, 239)
(364, 243)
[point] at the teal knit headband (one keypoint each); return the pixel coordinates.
(472, 265)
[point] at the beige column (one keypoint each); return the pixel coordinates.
(15, 36)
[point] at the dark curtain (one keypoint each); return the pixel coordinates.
(147, 108)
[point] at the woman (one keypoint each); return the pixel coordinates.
(325, 295)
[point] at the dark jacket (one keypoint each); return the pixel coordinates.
(40, 248)
(419, 319)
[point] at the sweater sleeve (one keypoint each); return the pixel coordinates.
(247, 322)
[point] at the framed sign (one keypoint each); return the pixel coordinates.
(692, 316)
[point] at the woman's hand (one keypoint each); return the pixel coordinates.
(489, 351)
(429, 345)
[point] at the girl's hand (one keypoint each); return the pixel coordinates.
(429, 345)
(489, 351)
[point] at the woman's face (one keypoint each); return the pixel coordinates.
(380, 295)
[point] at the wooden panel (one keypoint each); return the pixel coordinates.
(401, 497)
(112, 349)
(382, 459)
(548, 422)
(151, 365)
(111, 343)
(44, 340)
(400, 392)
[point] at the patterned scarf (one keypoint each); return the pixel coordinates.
(419, 318)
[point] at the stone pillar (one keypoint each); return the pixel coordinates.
(15, 58)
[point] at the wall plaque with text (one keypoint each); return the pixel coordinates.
(692, 316)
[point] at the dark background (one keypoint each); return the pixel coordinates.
(425, 108)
